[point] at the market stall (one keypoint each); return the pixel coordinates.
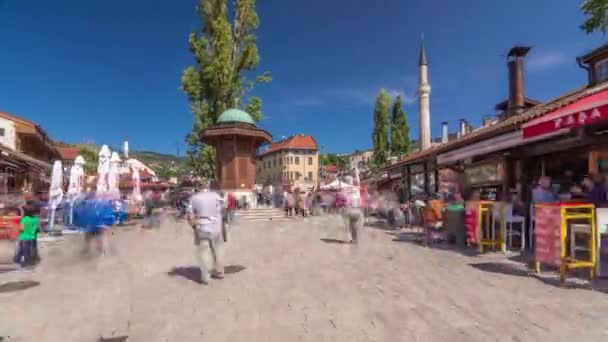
(558, 229)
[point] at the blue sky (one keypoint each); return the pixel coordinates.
(105, 70)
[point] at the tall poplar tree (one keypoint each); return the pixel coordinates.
(381, 126)
(224, 50)
(400, 130)
(596, 12)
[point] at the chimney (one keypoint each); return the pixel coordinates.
(468, 128)
(463, 127)
(515, 63)
(486, 120)
(444, 132)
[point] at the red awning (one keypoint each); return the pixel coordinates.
(585, 111)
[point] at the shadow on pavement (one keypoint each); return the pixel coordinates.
(113, 339)
(191, 273)
(335, 241)
(380, 224)
(18, 286)
(520, 270)
(502, 268)
(6, 270)
(232, 269)
(417, 238)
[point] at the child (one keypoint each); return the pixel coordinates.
(27, 248)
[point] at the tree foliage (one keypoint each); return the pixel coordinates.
(400, 130)
(91, 158)
(381, 127)
(333, 159)
(596, 12)
(225, 50)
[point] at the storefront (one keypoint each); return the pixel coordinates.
(485, 180)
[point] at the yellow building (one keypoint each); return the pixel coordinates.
(294, 160)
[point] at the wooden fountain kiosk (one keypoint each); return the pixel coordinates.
(236, 138)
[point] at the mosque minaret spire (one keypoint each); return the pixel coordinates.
(424, 92)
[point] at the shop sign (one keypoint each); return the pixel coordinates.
(572, 120)
(483, 174)
(416, 168)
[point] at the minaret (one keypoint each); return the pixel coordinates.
(424, 92)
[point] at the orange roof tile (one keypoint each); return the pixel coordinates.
(68, 153)
(330, 168)
(299, 141)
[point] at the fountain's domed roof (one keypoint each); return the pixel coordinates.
(235, 116)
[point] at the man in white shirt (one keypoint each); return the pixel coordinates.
(205, 217)
(353, 213)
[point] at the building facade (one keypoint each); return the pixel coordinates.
(291, 161)
(26, 156)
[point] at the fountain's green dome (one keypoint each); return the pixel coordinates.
(235, 116)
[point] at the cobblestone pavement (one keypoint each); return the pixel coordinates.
(288, 281)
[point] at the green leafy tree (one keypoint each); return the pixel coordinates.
(91, 158)
(225, 51)
(333, 159)
(596, 12)
(381, 126)
(400, 130)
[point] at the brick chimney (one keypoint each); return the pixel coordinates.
(444, 132)
(515, 64)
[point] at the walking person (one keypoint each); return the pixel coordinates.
(352, 209)
(205, 218)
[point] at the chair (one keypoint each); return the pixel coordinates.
(574, 230)
(510, 219)
(432, 225)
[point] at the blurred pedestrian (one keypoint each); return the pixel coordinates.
(205, 218)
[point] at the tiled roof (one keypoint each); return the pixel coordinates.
(330, 168)
(14, 117)
(68, 153)
(509, 124)
(299, 141)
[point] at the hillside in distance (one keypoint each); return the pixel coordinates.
(154, 160)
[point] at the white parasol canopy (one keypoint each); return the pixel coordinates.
(336, 185)
(136, 196)
(76, 177)
(103, 168)
(114, 174)
(56, 189)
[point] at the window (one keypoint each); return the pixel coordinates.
(601, 71)
(309, 175)
(290, 160)
(298, 175)
(297, 160)
(274, 163)
(1, 132)
(309, 160)
(290, 174)
(280, 161)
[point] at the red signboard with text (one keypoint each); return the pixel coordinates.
(567, 120)
(547, 231)
(470, 220)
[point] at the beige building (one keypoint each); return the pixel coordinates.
(294, 161)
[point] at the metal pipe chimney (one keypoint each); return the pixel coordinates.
(515, 64)
(444, 132)
(462, 129)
